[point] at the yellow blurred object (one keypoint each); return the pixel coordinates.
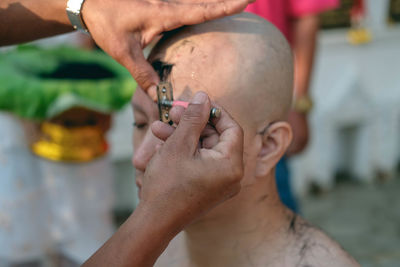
(78, 144)
(359, 36)
(303, 104)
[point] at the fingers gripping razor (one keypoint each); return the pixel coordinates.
(165, 101)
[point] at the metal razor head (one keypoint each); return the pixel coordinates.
(164, 93)
(215, 113)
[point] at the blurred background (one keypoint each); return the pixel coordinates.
(66, 178)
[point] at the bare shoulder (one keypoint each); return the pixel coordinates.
(312, 247)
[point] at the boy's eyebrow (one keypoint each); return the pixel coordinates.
(162, 68)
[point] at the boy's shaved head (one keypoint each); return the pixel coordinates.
(243, 62)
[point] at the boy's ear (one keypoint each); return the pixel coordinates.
(275, 141)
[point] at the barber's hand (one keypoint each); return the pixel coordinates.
(185, 180)
(123, 28)
(299, 123)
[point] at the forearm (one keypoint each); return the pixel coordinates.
(305, 31)
(27, 20)
(138, 242)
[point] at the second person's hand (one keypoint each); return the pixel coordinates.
(122, 28)
(184, 180)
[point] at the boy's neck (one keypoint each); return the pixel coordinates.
(250, 222)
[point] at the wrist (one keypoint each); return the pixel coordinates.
(149, 222)
(166, 225)
(139, 241)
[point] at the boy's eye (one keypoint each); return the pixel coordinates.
(139, 125)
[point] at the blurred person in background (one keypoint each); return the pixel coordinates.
(298, 20)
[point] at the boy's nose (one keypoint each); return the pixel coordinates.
(145, 151)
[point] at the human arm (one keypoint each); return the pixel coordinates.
(122, 28)
(181, 182)
(305, 31)
(27, 20)
(138, 242)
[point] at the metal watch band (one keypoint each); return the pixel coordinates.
(74, 8)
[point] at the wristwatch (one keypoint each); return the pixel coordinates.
(74, 8)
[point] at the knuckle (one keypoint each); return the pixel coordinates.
(236, 145)
(206, 11)
(232, 171)
(194, 114)
(226, 9)
(119, 53)
(238, 131)
(237, 173)
(141, 76)
(235, 190)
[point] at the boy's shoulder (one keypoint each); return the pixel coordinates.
(310, 246)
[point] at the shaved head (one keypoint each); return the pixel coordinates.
(243, 62)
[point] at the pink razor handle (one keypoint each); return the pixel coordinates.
(180, 103)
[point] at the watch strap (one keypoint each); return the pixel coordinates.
(74, 8)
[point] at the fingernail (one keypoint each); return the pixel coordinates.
(199, 98)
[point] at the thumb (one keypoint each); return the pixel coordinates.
(193, 121)
(141, 70)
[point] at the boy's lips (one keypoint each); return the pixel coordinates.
(139, 183)
(139, 187)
